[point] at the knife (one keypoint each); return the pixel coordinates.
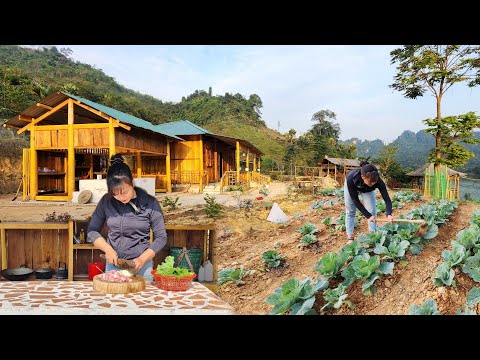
(123, 264)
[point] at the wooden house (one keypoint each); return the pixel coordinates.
(204, 157)
(72, 138)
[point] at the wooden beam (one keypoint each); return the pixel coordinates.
(37, 120)
(139, 164)
(3, 241)
(201, 164)
(33, 225)
(111, 139)
(190, 227)
(25, 118)
(167, 168)
(70, 250)
(237, 153)
(33, 166)
(70, 178)
(103, 115)
(44, 106)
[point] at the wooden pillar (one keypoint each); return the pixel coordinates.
(33, 165)
(255, 162)
(247, 165)
(237, 155)
(111, 139)
(139, 164)
(167, 168)
(71, 153)
(215, 163)
(4, 247)
(201, 164)
(259, 165)
(70, 250)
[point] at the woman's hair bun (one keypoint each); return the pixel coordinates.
(117, 159)
(364, 162)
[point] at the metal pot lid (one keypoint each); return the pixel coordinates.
(44, 270)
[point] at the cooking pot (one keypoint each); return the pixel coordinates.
(62, 273)
(17, 274)
(43, 273)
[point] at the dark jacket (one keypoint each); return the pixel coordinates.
(355, 185)
(128, 231)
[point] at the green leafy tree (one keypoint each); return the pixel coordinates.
(452, 130)
(435, 68)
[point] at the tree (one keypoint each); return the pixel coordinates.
(452, 130)
(386, 160)
(290, 136)
(435, 68)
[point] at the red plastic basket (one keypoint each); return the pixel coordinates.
(172, 283)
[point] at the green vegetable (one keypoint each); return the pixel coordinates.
(166, 269)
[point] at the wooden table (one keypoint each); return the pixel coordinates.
(52, 297)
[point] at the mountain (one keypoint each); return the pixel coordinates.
(29, 74)
(413, 150)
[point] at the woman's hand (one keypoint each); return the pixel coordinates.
(372, 218)
(139, 262)
(390, 218)
(111, 257)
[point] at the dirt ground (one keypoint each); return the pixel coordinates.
(244, 234)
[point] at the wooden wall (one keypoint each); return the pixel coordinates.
(36, 248)
(90, 138)
(51, 139)
(185, 155)
(140, 140)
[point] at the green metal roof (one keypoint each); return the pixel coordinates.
(183, 127)
(124, 117)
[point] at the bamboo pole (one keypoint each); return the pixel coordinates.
(70, 250)
(4, 248)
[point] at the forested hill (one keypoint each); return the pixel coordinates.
(413, 149)
(27, 75)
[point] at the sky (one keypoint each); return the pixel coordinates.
(293, 81)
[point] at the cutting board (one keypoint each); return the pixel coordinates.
(137, 285)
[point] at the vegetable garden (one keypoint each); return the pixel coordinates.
(304, 267)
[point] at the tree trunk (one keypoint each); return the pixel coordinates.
(438, 135)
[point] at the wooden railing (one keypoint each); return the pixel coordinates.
(229, 178)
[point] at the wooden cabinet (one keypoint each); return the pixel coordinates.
(45, 244)
(51, 172)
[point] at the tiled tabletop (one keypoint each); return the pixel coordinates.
(79, 297)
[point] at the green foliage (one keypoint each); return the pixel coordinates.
(308, 229)
(213, 209)
(236, 275)
(429, 307)
(335, 297)
(330, 264)
(295, 297)
(444, 276)
(308, 239)
(471, 267)
(171, 204)
(167, 269)
(272, 258)
(436, 68)
(456, 131)
(263, 190)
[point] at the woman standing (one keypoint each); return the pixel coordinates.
(130, 212)
(364, 181)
